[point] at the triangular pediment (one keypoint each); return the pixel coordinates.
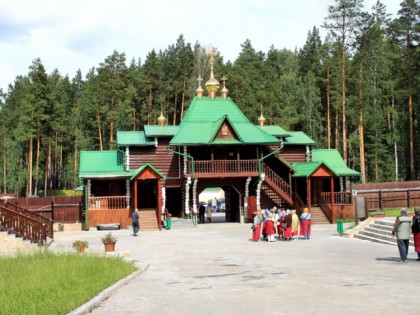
(224, 131)
(147, 171)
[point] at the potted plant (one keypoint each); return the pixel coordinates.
(80, 246)
(109, 241)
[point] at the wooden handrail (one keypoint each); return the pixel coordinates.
(23, 225)
(325, 208)
(108, 202)
(340, 198)
(276, 179)
(32, 215)
(223, 166)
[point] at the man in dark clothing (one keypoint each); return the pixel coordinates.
(135, 218)
(402, 228)
(201, 212)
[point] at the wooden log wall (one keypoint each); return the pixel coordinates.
(121, 217)
(164, 161)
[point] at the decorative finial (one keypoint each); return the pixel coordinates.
(212, 85)
(224, 92)
(161, 119)
(199, 90)
(262, 119)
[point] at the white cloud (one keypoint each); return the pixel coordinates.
(69, 35)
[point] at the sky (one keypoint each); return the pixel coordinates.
(79, 34)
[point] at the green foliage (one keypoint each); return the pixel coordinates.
(47, 283)
(368, 66)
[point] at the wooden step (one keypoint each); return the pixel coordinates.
(148, 220)
(318, 216)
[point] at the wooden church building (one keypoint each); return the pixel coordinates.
(215, 145)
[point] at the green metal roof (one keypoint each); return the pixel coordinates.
(276, 131)
(305, 169)
(298, 138)
(125, 138)
(160, 131)
(143, 167)
(333, 160)
(100, 164)
(204, 118)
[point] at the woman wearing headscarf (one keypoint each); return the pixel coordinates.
(288, 221)
(269, 227)
(295, 225)
(415, 228)
(305, 224)
(257, 226)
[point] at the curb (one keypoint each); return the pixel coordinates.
(95, 301)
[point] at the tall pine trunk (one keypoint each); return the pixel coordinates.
(343, 83)
(361, 128)
(328, 109)
(30, 158)
(99, 129)
(47, 168)
(38, 154)
(4, 163)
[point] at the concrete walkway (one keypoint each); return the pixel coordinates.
(216, 269)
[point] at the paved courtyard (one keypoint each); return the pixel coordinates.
(216, 269)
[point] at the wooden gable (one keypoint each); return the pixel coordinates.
(226, 131)
(322, 171)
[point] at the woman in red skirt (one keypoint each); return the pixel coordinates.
(288, 230)
(257, 226)
(415, 228)
(305, 224)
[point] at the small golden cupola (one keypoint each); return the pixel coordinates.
(212, 85)
(262, 119)
(199, 92)
(224, 92)
(161, 119)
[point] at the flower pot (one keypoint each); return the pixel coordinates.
(109, 247)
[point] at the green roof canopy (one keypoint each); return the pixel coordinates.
(333, 160)
(126, 138)
(204, 118)
(160, 131)
(298, 138)
(100, 164)
(276, 131)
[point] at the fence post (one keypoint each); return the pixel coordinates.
(80, 211)
(52, 211)
(408, 198)
(380, 199)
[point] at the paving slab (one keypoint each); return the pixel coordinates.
(217, 269)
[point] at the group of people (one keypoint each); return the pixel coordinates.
(285, 224)
(204, 210)
(403, 227)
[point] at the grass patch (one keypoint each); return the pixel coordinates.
(48, 283)
(389, 212)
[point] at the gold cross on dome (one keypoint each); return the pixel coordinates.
(199, 79)
(224, 79)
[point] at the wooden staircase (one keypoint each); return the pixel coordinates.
(148, 220)
(281, 187)
(318, 216)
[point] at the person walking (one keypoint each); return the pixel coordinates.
(415, 228)
(201, 212)
(305, 224)
(135, 219)
(402, 231)
(209, 212)
(256, 232)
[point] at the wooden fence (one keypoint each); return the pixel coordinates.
(62, 209)
(390, 195)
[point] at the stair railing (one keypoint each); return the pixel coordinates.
(325, 208)
(277, 180)
(23, 226)
(299, 205)
(32, 215)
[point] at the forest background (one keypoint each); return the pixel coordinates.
(356, 90)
